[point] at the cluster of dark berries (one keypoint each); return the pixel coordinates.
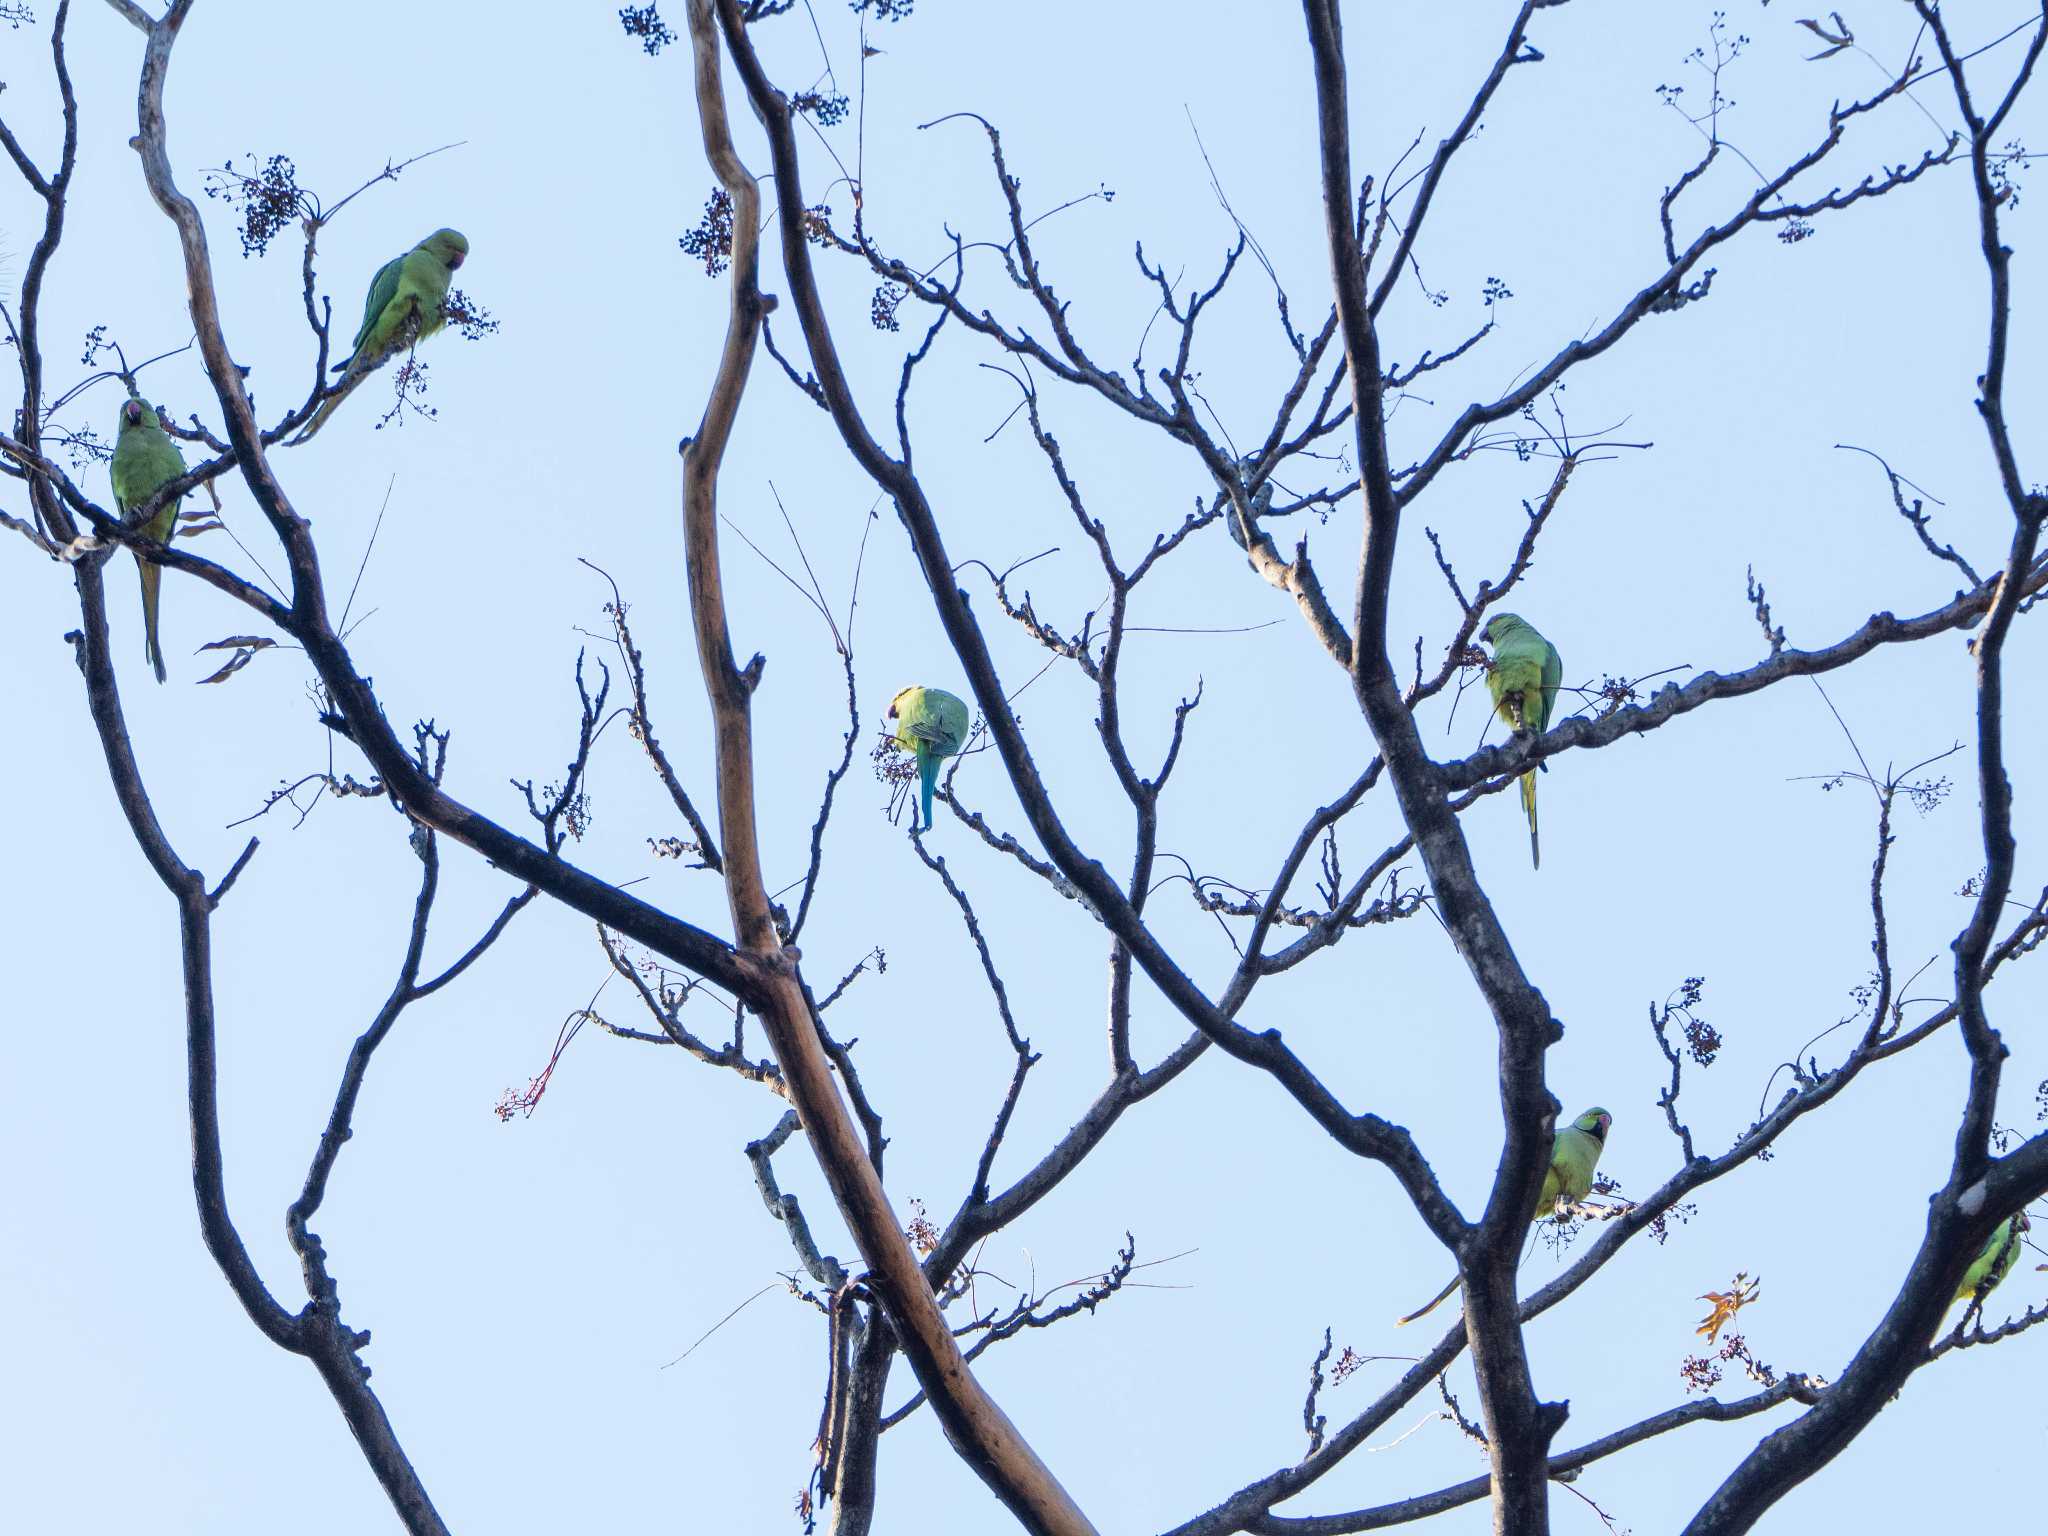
(268, 195)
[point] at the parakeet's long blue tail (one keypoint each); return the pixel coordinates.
(927, 777)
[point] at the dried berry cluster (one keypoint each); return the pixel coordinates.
(924, 1237)
(1347, 1363)
(1702, 1373)
(826, 109)
(644, 23)
(268, 195)
(882, 310)
(1703, 1042)
(892, 764)
(818, 225)
(471, 320)
(2000, 166)
(711, 241)
(1678, 1215)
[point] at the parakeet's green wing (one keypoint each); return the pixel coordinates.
(952, 721)
(1497, 686)
(1553, 679)
(931, 719)
(1989, 1268)
(383, 288)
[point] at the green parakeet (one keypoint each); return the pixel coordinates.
(405, 306)
(1524, 679)
(1996, 1259)
(1574, 1152)
(145, 458)
(932, 724)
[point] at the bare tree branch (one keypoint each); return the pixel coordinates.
(989, 1442)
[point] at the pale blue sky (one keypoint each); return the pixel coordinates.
(525, 1282)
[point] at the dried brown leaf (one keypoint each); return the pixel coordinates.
(1727, 1303)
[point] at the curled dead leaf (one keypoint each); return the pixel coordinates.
(1727, 1303)
(244, 646)
(1836, 40)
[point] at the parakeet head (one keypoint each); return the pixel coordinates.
(138, 415)
(448, 245)
(897, 704)
(1498, 626)
(1594, 1122)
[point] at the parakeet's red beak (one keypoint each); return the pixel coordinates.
(134, 413)
(455, 260)
(1606, 1124)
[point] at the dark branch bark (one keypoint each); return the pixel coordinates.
(1519, 1427)
(316, 1332)
(1425, 1506)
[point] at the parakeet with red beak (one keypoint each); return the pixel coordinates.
(145, 459)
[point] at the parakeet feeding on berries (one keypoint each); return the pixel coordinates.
(1995, 1261)
(1574, 1152)
(932, 725)
(1523, 678)
(406, 304)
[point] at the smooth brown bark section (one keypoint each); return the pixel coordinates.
(978, 1428)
